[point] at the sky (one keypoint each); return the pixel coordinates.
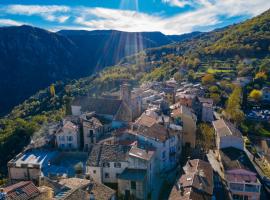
(167, 16)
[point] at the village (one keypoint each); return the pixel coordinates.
(140, 143)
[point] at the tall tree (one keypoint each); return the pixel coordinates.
(233, 108)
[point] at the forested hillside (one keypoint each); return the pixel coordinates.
(220, 55)
(32, 58)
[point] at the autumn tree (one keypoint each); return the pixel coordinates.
(233, 108)
(52, 90)
(208, 79)
(255, 95)
(205, 136)
(261, 75)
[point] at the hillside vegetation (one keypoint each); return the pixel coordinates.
(238, 50)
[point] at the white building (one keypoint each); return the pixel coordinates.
(106, 162)
(166, 140)
(227, 135)
(68, 136)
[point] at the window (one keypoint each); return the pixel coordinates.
(94, 171)
(62, 145)
(106, 164)
(62, 138)
(116, 175)
(164, 154)
(69, 145)
(117, 165)
(133, 185)
(91, 133)
(69, 138)
(107, 175)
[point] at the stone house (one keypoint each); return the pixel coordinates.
(243, 184)
(132, 183)
(68, 136)
(106, 162)
(227, 135)
(165, 139)
(120, 110)
(138, 178)
(197, 182)
(24, 190)
(184, 116)
(95, 128)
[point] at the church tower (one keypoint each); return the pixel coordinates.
(125, 93)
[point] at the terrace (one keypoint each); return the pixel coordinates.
(51, 163)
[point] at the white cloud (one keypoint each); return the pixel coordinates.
(10, 22)
(178, 3)
(50, 13)
(204, 14)
(209, 14)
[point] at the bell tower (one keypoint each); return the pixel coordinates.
(125, 93)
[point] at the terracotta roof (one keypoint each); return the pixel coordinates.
(102, 153)
(156, 132)
(141, 153)
(183, 110)
(99, 105)
(93, 122)
(70, 126)
(100, 191)
(196, 183)
(225, 128)
(23, 190)
(187, 194)
(146, 120)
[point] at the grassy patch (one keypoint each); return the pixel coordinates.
(214, 71)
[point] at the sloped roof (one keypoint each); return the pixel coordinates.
(156, 132)
(70, 126)
(225, 128)
(99, 105)
(196, 183)
(102, 153)
(141, 153)
(146, 120)
(23, 190)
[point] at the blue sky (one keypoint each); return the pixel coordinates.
(167, 16)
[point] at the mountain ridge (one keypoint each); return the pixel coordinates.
(32, 58)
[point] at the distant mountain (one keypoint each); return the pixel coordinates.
(183, 37)
(107, 47)
(32, 58)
